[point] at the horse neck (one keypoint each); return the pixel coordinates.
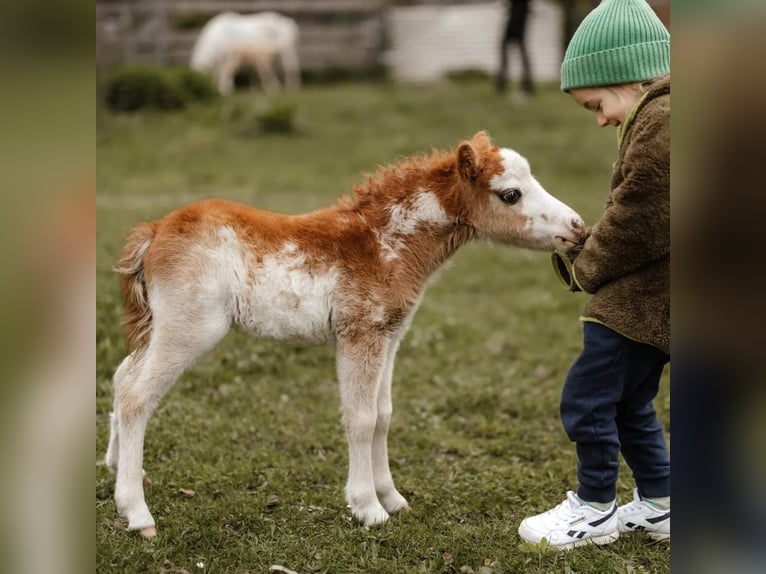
(428, 250)
(415, 218)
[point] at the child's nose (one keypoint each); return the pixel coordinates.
(602, 121)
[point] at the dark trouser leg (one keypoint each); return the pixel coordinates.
(502, 74)
(526, 82)
(609, 369)
(642, 439)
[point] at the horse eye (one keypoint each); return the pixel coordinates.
(510, 196)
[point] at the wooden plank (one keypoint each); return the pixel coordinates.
(291, 7)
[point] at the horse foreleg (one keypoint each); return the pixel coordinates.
(264, 65)
(360, 365)
(292, 68)
(389, 497)
(226, 68)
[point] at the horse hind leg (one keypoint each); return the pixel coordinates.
(169, 353)
(112, 450)
(136, 396)
(114, 443)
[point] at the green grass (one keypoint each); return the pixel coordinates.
(476, 443)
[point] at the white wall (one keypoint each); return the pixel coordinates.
(427, 41)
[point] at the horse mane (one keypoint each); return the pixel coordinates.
(398, 180)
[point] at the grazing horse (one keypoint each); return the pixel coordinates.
(230, 41)
(351, 275)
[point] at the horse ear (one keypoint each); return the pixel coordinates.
(481, 139)
(467, 161)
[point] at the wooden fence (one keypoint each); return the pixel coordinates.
(334, 33)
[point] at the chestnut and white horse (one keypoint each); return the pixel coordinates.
(230, 41)
(351, 275)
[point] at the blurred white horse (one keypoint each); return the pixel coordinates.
(231, 41)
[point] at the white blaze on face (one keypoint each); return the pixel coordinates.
(423, 208)
(546, 216)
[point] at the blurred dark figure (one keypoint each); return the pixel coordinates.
(717, 297)
(514, 35)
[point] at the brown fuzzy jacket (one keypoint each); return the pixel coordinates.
(625, 263)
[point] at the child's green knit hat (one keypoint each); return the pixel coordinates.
(619, 42)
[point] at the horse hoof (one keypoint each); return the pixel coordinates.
(394, 502)
(375, 518)
(148, 532)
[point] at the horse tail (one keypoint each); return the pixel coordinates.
(137, 315)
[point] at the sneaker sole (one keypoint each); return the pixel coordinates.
(658, 536)
(653, 535)
(597, 540)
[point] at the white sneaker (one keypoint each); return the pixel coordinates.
(639, 516)
(571, 524)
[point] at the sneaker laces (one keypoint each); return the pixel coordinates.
(637, 505)
(568, 510)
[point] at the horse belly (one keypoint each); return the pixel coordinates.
(288, 305)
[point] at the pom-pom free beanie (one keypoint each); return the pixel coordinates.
(619, 42)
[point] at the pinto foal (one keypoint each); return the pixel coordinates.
(352, 275)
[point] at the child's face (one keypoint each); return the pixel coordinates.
(611, 104)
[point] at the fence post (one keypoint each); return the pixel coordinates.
(161, 43)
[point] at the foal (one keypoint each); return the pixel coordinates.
(351, 275)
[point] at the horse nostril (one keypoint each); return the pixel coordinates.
(577, 224)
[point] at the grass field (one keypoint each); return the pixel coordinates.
(476, 443)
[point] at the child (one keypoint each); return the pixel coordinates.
(617, 66)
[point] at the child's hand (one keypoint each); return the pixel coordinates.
(574, 252)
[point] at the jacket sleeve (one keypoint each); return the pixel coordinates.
(562, 267)
(635, 227)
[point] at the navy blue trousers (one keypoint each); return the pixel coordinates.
(606, 408)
